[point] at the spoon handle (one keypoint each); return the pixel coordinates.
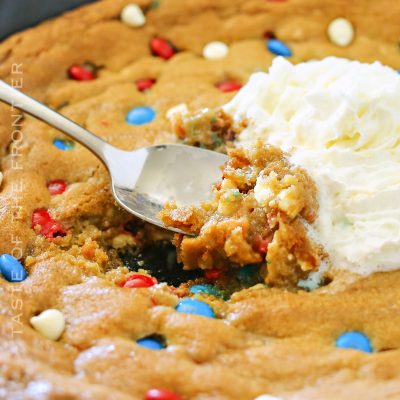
(31, 106)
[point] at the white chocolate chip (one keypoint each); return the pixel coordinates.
(132, 15)
(267, 397)
(50, 323)
(341, 32)
(178, 110)
(1, 178)
(215, 50)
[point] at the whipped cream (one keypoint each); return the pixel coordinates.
(340, 120)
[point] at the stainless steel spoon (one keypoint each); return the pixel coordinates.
(142, 180)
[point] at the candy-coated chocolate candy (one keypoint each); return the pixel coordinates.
(213, 274)
(160, 394)
(139, 281)
(249, 274)
(354, 340)
(269, 35)
(140, 115)
(48, 226)
(230, 86)
(81, 73)
(144, 84)
(11, 269)
(279, 48)
(206, 289)
(57, 186)
(261, 245)
(150, 343)
(63, 144)
(193, 306)
(162, 48)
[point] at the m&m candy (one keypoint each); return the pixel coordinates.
(162, 48)
(213, 274)
(11, 269)
(144, 84)
(140, 115)
(159, 394)
(230, 86)
(57, 186)
(139, 281)
(64, 145)
(151, 343)
(205, 289)
(278, 48)
(81, 73)
(49, 228)
(193, 306)
(354, 340)
(248, 274)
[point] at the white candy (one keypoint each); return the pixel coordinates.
(50, 323)
(341, 32)
(132, 15)
(267, 397)
(173, 112)
(215, 50)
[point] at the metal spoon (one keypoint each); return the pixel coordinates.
(142, 180)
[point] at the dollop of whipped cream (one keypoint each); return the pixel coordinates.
(340, 120)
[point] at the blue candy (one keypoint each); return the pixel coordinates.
(206, 289)
(140, 115)
(248, 274)
(193, 306)
(150, 343)
(354, 340)
(64, 145)
(279, 48)
(11, 269)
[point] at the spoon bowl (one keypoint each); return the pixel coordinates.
(142, 180)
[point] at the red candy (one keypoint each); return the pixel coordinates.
(261, 245)
(213, 274)
(80, 73)
(144, 84)
(162, 48)
(139, 281)
(230, 86)
(49, 228)
(159, 394)
(269, 35)
(57, 187)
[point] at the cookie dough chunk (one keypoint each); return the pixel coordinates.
(258, 214)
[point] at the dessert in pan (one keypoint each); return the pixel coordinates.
(288, 287)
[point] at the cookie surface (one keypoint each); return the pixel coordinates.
(262, 340)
